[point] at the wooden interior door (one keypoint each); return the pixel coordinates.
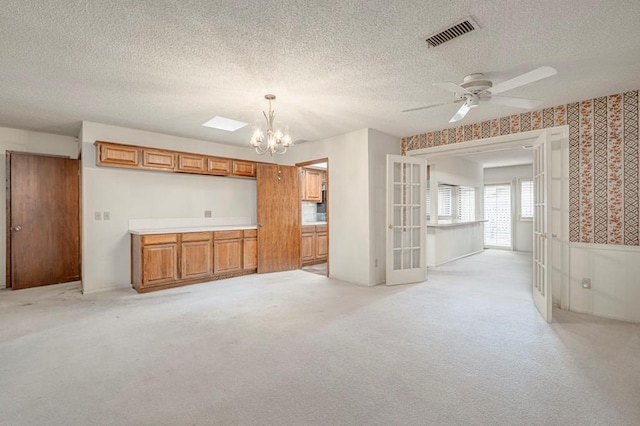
(278, 218)
(43, 220)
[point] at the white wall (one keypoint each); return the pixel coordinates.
(454, 171)
(141, 194)
(354, 239)
(448, 243)
(615, 280)
(27, 141)
(522, 230)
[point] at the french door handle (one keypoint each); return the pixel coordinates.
(16, 228)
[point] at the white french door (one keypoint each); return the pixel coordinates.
(406, 219)
(542, 283)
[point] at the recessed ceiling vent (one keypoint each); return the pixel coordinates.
(455, 31)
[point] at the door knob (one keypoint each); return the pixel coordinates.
(390, 226)
(554, 235)
(16, 228)
(260, 225)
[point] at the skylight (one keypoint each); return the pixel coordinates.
(222, 123)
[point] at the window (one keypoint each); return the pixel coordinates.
(526, 199)
(466, 203)
(444, 202)
(428, 202)
(497, 213)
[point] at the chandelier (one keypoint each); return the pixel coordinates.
(276, 141)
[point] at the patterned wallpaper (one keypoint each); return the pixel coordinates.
(604, 185)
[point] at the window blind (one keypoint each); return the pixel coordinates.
(466, 203)
(497, 213)
(526, 199)
(444, 201)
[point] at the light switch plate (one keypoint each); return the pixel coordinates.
(106, 215)
(97, 216)
(207, 213)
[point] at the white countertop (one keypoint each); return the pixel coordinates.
(313, 223)
(185, 229)
(450, 224)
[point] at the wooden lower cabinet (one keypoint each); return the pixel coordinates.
(314, 244)
(169, 260)
(195, 255)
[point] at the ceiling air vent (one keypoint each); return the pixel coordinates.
(455, 31)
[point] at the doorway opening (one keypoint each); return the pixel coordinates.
(498, 216)
(548, 178)
(314, 216)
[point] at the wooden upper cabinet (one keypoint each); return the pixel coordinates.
(243, 168)
(116, 155)
(219, 166)
(157, 159)
(192, 163)
(312, 184)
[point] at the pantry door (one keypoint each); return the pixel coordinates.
(406, 220)
(278, 218)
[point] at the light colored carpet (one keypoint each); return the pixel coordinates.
(465, 348)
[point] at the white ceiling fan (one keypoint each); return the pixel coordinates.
(475, 89)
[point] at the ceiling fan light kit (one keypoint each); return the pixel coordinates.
(475, 89)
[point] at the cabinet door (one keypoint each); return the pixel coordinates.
(160, 264)
(244, 168)
(196, 259)
(155, 159)
(250, 253)
(313, 185)
(219, 166)
(307, 246)
(322, 245)
(115, 155)
(192, 163)
(227, 256)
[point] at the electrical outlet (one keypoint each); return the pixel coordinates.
(207, 213)
(586, 283)
(97, 216)
(106, 215)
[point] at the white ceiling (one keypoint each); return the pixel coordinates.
(335, 66)
(501, 158)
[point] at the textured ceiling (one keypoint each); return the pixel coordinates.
(335, 66)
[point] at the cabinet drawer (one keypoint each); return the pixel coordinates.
(196, 236)
(321, 228)
(219, 166)
(250, 233)
(159, 239)
(191, 163)
(158, 159)
(244, 168)
(227, 235)
(310, 229)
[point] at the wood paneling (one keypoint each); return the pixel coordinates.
(244, 168)
(219, 166)
(116, 155)
(278, 218)
(157, 159)
(192, 163)
(43, 226)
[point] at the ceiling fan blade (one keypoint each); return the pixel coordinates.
(513, 102)
(431, 106)
(521, 80)
(452, 87)
(462, 112)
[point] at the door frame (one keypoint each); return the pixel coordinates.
(557, 134)
(8, 235)
(327, 203)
